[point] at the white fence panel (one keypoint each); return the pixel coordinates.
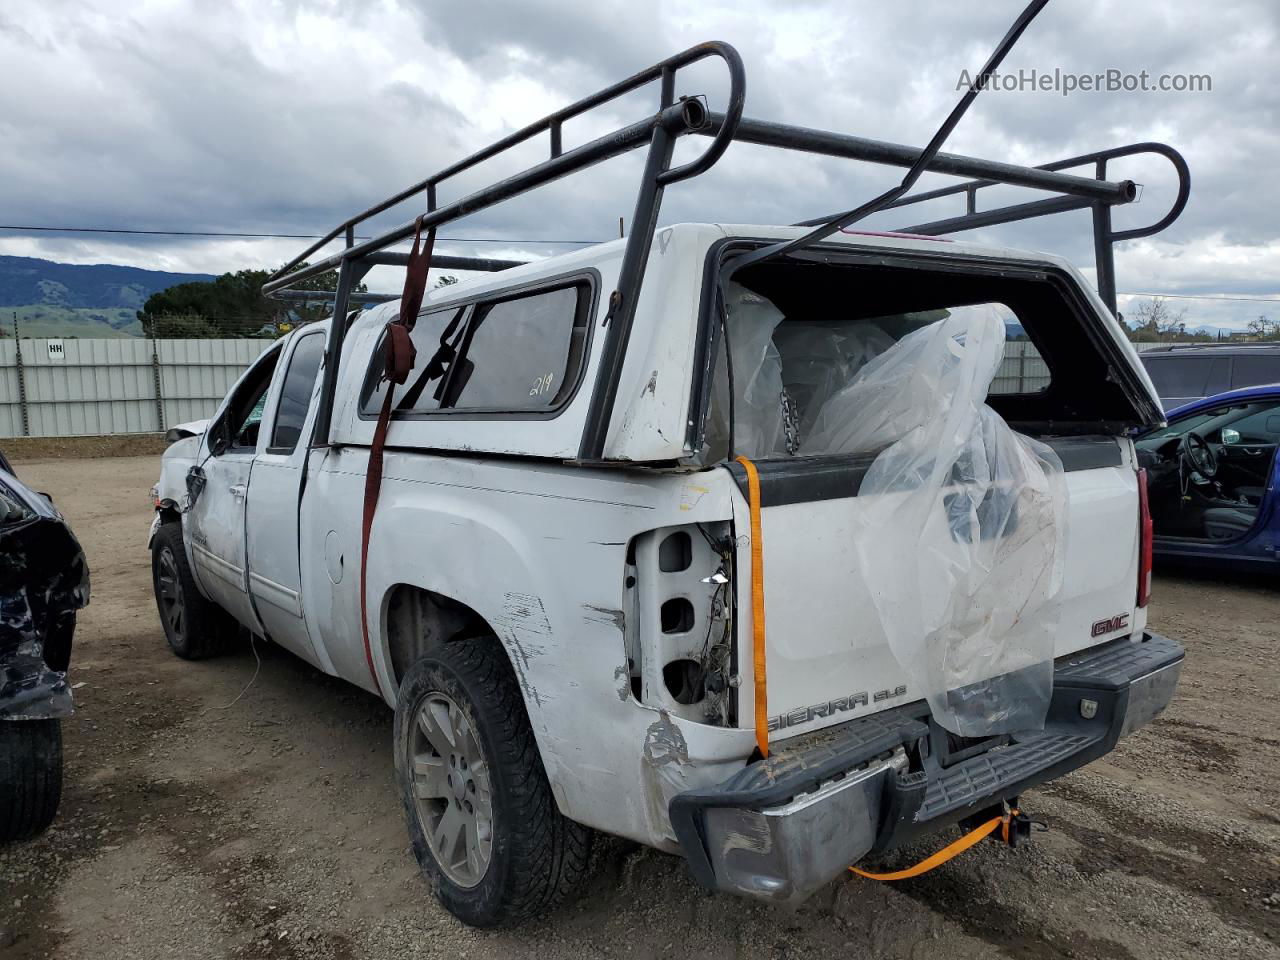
(93, 387)
(1022, 370)
(196, 374)
(10, 410)
(89, 387)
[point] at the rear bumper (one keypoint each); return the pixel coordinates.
(783, 827)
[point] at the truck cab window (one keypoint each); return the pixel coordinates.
(295, 392)
(240, 423)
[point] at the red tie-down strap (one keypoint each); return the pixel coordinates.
(400, 355)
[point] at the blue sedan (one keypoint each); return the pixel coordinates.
(1212, 480)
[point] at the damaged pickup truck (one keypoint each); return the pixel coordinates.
(44, 580)
(749, 543)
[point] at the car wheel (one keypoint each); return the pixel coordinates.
(30, 776)
(196, 628)
(482, 820)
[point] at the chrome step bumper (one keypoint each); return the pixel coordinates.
(781, 828)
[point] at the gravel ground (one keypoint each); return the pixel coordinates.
(269, 828)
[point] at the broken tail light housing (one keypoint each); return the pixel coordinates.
(1145, 534)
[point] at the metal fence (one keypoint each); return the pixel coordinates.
(1022, 370)
(65, 388)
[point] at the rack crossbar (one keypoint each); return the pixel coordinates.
(805, 139)
(589, 154)
(658, 133)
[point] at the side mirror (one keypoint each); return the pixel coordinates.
(1230, 436)
(218, 445)
(195, 485)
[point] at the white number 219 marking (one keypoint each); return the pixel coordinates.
(542, 385)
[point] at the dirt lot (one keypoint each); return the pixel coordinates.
(194, 827)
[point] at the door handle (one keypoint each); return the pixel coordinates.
(238, 491)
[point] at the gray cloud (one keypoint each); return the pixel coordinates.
(287, 118)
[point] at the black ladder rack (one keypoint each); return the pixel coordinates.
(676, 118)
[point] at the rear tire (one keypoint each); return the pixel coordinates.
(470, 775)
(30, 777)
(195, 628)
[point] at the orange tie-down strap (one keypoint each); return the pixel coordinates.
(947, 852)
(762, 711)
(757, 607)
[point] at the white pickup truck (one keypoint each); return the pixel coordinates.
(578, 643)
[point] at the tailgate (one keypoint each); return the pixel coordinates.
(828, 660)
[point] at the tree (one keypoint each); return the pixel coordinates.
(1156, 314)
(181, 326)
(1260, 328)
(232, 305)
(326, 282)
(1157, 321)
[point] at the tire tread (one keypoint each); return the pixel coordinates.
(211, 631)
(549, 854)
(30, 777)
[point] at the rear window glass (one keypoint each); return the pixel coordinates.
(1251, 371)
(518, 352)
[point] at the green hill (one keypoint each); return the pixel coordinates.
(46, 320)
(78, 300)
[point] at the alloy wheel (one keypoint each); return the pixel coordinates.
(169, 593)
(451, 789)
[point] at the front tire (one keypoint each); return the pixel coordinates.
(481, 816)
(195, 628)
(30, 777)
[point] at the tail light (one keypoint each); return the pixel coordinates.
(1145, 533)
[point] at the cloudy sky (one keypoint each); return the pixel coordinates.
(286, 117)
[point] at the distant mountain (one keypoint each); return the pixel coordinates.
(78, 300)
(1212, 331)
(28, 280)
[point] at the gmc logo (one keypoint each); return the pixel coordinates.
(1110, 625)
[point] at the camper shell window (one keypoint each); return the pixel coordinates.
(831, 313)
(519, 353)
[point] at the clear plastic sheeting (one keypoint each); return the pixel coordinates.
(963, 537)
(819, 359)
(962, 521)
(758, 401)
